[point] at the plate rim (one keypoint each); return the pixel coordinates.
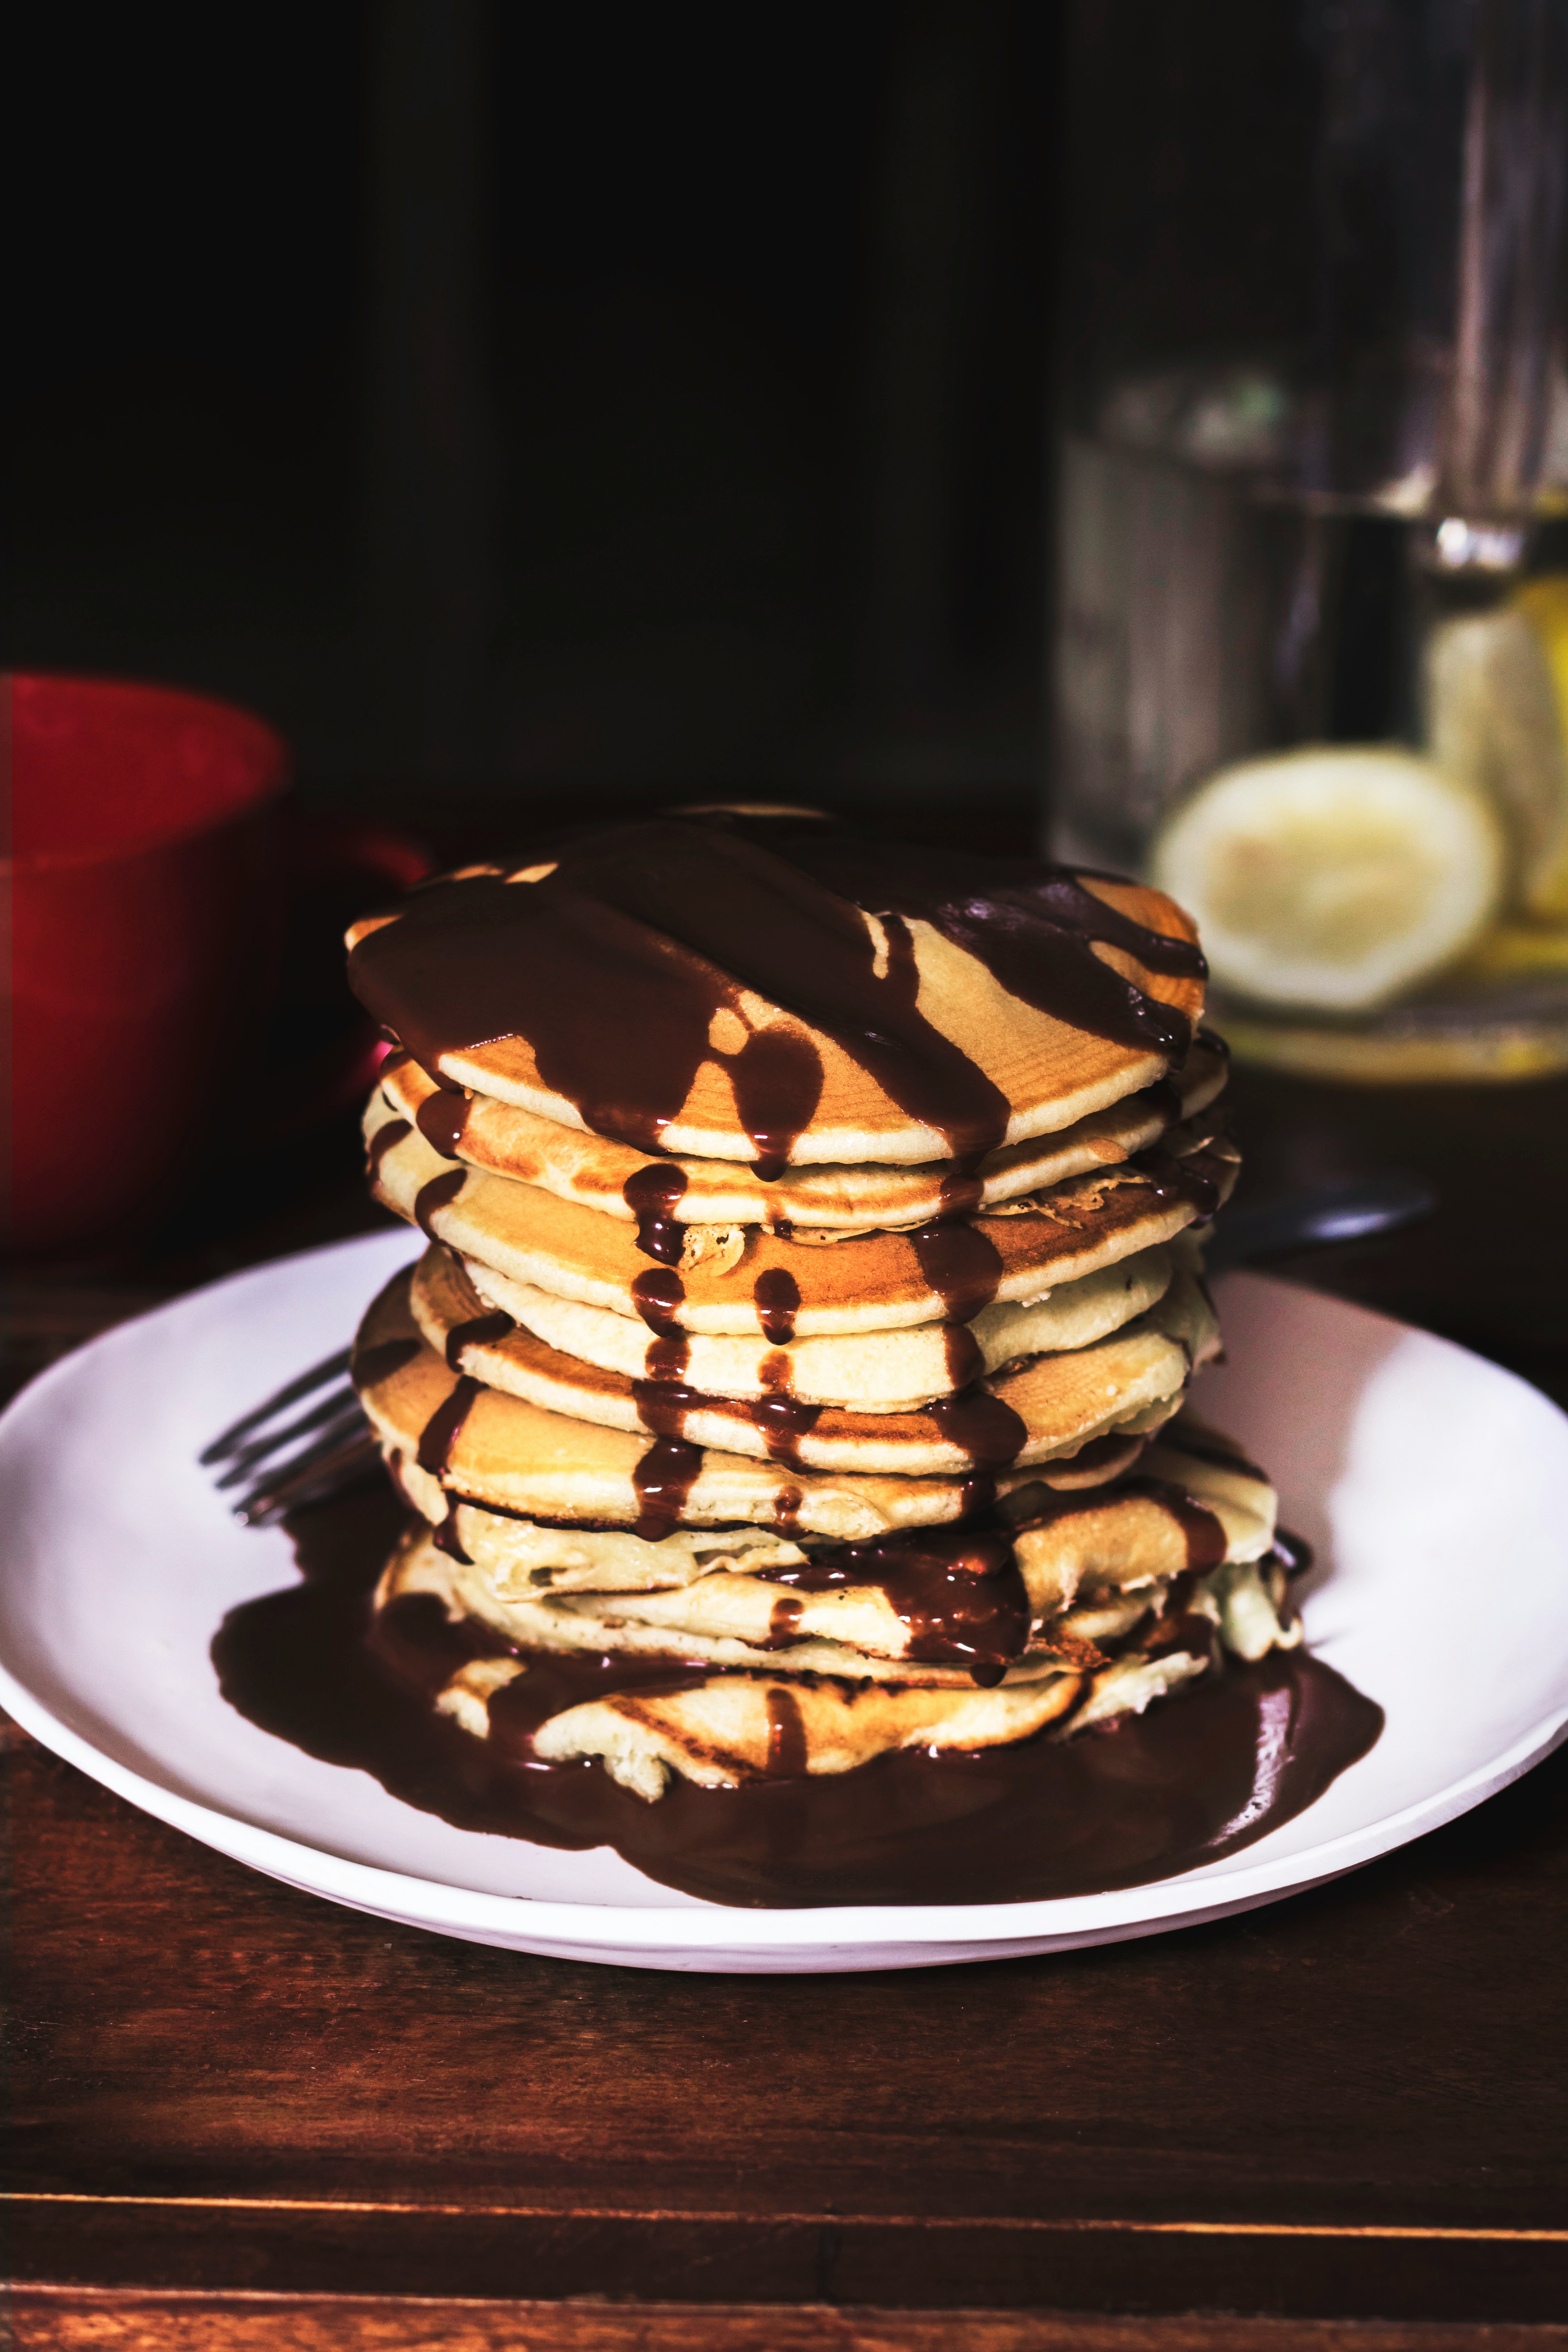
(674, 1926)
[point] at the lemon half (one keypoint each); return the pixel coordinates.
(1332, 879)
(1497, 690)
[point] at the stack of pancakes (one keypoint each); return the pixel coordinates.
(812, 1291)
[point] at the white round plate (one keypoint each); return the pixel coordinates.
(1433, 1486)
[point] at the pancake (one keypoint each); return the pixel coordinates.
(1134, 1534)
(873, 1371)
(525, 1558)
(598, 1172)
(730, 1277)
(722, 1727)
(1050, 1404)
(798, 1374)
(774, 991)
(588, 1623)
(442, 1435)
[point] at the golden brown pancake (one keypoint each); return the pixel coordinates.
(1051, 1404)
(768, 992)
(594, 1170)
(515, 1456)
(868, 1282)
(872, 1371)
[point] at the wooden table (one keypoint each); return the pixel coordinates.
(245, 2118)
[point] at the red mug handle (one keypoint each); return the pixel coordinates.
(380, 863)
(328, 848)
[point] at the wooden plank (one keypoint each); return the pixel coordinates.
(74, 2321)
(224, 2083)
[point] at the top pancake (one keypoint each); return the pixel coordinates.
(772, 991)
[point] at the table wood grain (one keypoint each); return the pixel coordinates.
(75, 2320)
(241, 2116)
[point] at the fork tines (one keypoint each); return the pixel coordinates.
(276, 1480)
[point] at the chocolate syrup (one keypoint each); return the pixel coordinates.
(1192, 1179)
(555, 1680)
(658, 1294)
(442, 1117)
(1199, 1775)
(664, 1405)
(956, 1589)
(783, 1421)
(439, 1193)
(614, 966)
(980, 1425)
(963, 1266)
(783, 1621)
(786, 1735)
(651, 1193)
(386, 1138)
(440, 1431)
(777, 1295)
(663, 1478)
(962, 1188)
(966, 1355)
(1164, 1098)
(444, 1536)
(667, 1357)
(478, 1333)
(977, 1492)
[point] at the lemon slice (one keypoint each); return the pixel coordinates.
(1497, 692)
(1332, 879)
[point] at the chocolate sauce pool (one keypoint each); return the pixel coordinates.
(1201, 1774)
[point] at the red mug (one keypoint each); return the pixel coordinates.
(152, 855)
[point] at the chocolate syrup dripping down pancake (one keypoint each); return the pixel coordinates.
(662, 1195)
(647, 951)
(1052, 1404)
(860, 1283)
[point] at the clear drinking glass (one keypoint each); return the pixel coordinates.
(1358, 541)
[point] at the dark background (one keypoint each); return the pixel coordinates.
(524, 404)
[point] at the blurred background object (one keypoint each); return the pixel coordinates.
(524, 406)
(1327, 525)
(161, 897)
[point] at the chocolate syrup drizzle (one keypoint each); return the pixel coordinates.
(478, 1333)
(1197, 1776)
(663, 1479)
(777, 1295)
(651, 1193)
(438, 1193)
(956, 1589)
(441, 1119)
(387, 1137)
(440, 1431)
(614, 966)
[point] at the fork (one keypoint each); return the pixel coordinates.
(340, 1450)
(337, 1450)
